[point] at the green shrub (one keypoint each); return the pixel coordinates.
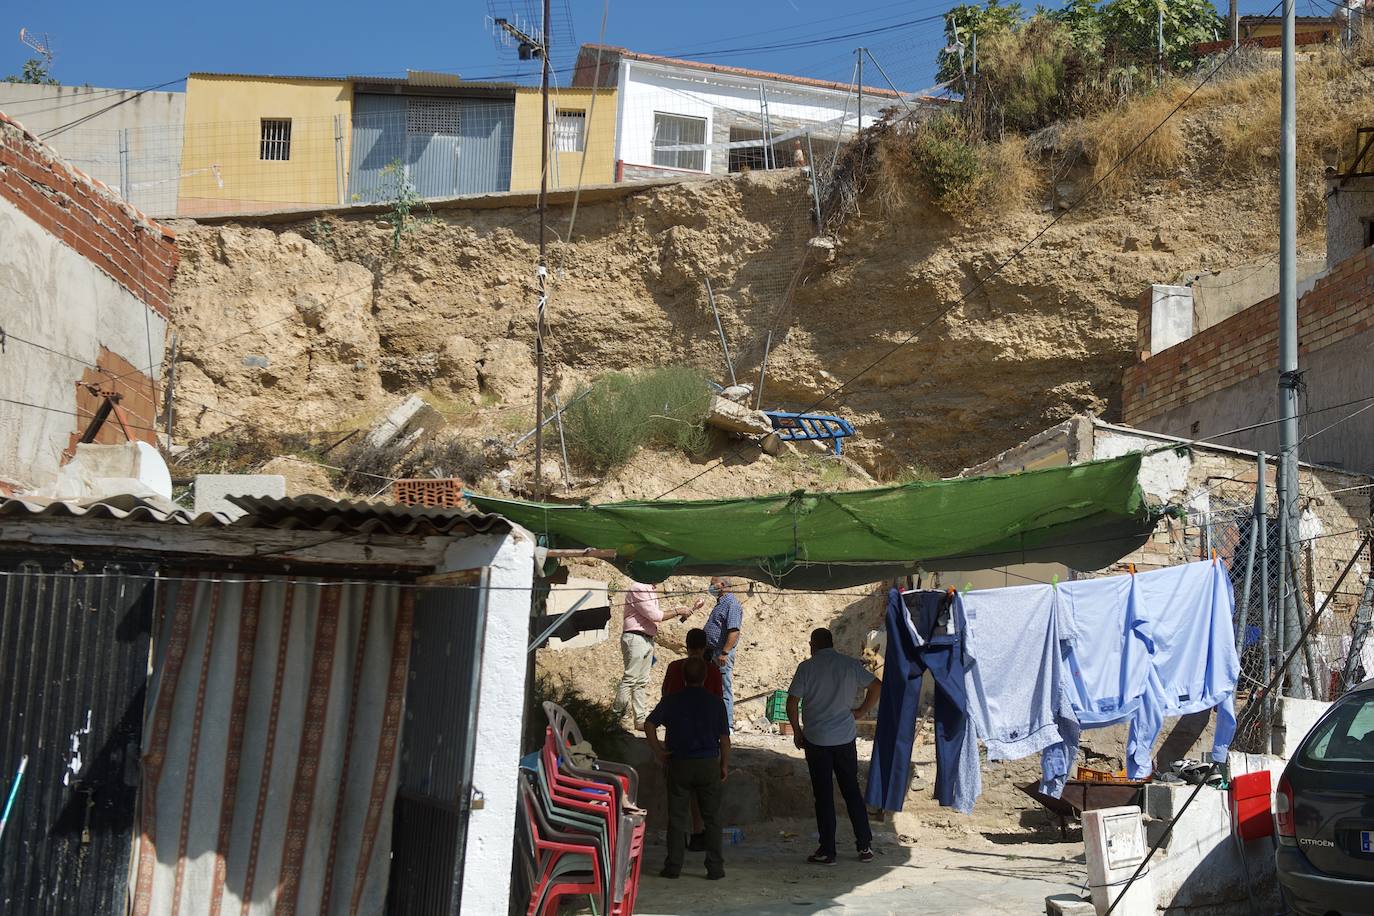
(661, 408)
(599, 723)
(946, 160)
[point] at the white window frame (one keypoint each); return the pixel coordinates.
(673, 159)
(274, 140)
(570, 130)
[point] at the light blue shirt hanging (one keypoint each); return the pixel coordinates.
(1108, 646)
(1015, 675)
(1195, 665)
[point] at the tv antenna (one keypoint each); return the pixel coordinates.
(41, 46)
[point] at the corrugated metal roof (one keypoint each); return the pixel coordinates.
(304, 513)
(419, 79)
(319, 513)
(270, 76)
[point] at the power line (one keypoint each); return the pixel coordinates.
(54, 131)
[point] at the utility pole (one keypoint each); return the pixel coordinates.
(543, 270)
(859, 53)
(1288, 341)
(1233, 20)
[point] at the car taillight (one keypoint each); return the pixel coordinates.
(1284, 825)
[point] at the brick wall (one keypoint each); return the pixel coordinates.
(1339, 306)
(132, 249)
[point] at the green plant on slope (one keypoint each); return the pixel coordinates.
(1133, 28)
(662, 408)
(403, 199)
(946, 160)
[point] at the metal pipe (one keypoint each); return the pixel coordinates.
(1266, 634)
(562, 441)
(859, 52)
(1243, 617)
(549, 419)
(1309, 660)
(729, 364)
(577, 605)
(763, 367)
(543, 270)
(171, 385)
(1288, 310)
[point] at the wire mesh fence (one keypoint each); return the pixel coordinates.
(1276, 604)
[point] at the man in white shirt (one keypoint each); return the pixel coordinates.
(824, 691)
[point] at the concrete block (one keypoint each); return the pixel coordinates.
(736, 418)
(1295, 720)
(406, 424)
(213, 491)
(1068, 905)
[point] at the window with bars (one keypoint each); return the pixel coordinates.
(276, 139)
(570, 130)
(433, 116)
(676, 130)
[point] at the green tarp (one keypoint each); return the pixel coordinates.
(1086, 516)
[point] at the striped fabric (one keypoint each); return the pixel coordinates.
(273, 724)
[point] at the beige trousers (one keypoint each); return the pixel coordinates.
(638, 655)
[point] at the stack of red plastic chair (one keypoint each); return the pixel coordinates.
(580, 831)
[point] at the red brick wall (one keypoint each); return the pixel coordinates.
(1245, 345)
(134, 250)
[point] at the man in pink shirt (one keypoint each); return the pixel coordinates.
(642, 617)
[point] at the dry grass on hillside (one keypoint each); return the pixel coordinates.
(1235, 117)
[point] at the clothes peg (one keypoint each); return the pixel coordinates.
(1132, 568)
(1214, 556)
(1054, 580)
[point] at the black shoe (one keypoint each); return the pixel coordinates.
(820, 858)
(696, 842)
(714, 875)
(668, 873)
(866, 854)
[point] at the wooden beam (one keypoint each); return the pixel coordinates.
(598, 553)
(452, 577)
(264, 545)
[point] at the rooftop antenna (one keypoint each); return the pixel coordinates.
(41, 46)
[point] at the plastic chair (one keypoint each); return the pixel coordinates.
(564, 864)
(566, 734)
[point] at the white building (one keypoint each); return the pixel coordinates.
(681, 117)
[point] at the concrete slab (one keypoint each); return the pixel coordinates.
(213, 491)
(767, 875)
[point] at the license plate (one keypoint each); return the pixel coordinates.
(1365, 841)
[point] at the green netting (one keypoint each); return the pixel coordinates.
(1085, 516)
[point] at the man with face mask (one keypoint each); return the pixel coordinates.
(722, 636)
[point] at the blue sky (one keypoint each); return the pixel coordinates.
(144, 44)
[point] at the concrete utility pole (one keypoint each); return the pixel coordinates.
(1288, 344)
(543, 270)
(1233, 20)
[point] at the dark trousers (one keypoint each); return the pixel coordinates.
(839, 762)
(699, 779)
(903, 666)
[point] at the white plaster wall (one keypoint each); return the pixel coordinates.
(1171, 316)
(1163, 475)
(500, 708)
(648, 88)
(53, 296)
(153, 121)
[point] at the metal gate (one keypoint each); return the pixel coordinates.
(438, 744)
(435, 146)
(73, 672)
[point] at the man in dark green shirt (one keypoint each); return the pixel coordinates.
(696, 754)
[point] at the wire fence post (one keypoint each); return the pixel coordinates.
(340, 179)
(125, 189)
(815, 188)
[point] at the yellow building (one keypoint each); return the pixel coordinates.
(577, 132)
(264, 143)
